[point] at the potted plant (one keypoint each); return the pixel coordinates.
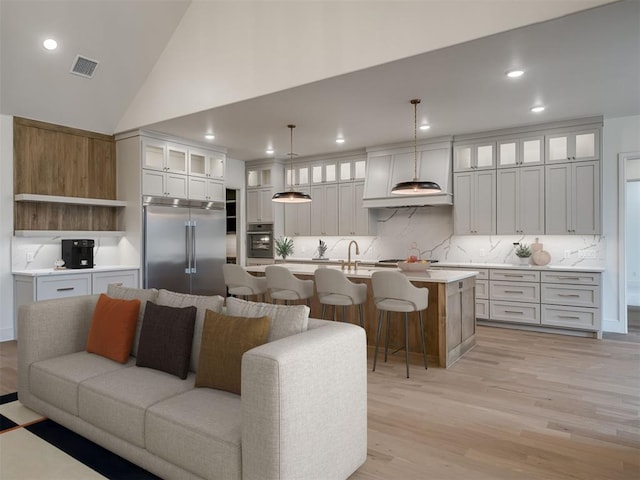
(284, 247)
(523, 252)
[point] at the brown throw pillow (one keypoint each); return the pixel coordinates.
(224, 341)
(113, 328)
(165, 339)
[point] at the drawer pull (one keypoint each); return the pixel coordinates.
(513, 311)
(66, 289)
(572, 317)
(568, 278)
(512, 275)
(568, 295)
(513, 291)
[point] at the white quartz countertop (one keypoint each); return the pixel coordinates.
(567, 268)
(40, 272)
(435, 276)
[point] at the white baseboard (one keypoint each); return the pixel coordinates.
(6, 334)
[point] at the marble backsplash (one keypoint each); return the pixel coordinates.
(46, 250)
(431, 228)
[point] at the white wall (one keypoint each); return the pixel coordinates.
(6, 228)
(225, 52)
(633, 240)
(620, 135)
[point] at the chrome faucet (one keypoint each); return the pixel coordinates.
(352, 242)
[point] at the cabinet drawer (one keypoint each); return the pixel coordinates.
(482, 288)
(515, 275)
(515, 312)
(571, 278)
(571, 317)
(515, 291)
(101, 281)
(576, 295)
(483, 273)
(63, 286)
(482, 308)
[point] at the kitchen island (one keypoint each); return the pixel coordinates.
(449, 322)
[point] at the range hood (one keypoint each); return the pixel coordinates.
(389, 165)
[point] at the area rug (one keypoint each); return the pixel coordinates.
(35, 448)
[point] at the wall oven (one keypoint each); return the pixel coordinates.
(260, 240)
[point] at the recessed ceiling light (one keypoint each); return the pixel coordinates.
(515, 73)
(339, 140)
(269, 151)
(50, 44)
(537, 109)
(209, 136)
(424, 126)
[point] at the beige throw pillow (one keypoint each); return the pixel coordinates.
(286, 320)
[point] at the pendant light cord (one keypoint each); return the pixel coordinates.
(415, 140)
(291, 175)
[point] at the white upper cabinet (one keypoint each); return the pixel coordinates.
(163, 156)
(572, 198)
(474, 156)
(351, 170)
(259, 177)
(323, 172)
(300, 175)
(520, 152)
(206, 189)
(520, 200)
(475, 203)
(353, 218)
(324, 209)
(376, 184)
(204, 163)
(575, 146)
(297, 218)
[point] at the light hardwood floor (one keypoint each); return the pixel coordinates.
(521, 405)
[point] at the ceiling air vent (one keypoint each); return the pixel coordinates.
(83, 66)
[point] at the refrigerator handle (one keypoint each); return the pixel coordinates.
(193, 247)
(187, 245)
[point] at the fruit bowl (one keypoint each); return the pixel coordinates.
(419, 266)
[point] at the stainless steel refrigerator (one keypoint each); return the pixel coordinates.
(184, 245)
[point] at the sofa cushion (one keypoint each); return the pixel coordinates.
(286, 320)
(202, 303)
(113, 328)
(165, 339)
(116, 402)
(127, 293)
(200, 431)
(224, 340)
(56, 380)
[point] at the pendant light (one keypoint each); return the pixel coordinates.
(291, 196)
(415, 186)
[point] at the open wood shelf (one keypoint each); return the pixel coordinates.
(69, 233)
(100, 202)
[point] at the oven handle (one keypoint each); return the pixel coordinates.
(261, 232)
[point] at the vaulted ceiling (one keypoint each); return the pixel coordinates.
(351, 78)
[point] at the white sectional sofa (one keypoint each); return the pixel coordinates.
(302, 413)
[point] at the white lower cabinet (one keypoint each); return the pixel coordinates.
(561, 299)
(34, 288)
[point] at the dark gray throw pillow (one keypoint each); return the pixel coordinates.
(165, 339)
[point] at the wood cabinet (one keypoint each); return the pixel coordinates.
(474, 156)
(573, 146)
(324, 209)
(67, 165)
(520, 201)
(475, 207)
(353, 218)
(259, 205)
(572, 197)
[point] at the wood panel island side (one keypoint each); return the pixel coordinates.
(449, 322)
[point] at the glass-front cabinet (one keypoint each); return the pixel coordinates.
(573, 146)
(520, 151)
(474, 156)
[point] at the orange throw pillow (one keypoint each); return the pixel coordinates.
(113, 328)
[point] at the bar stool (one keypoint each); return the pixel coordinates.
(335, 289)
(241, 283)
(283, 285)
(393, 292)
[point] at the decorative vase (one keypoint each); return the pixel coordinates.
(524, 260)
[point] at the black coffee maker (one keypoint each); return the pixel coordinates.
(78, 253)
